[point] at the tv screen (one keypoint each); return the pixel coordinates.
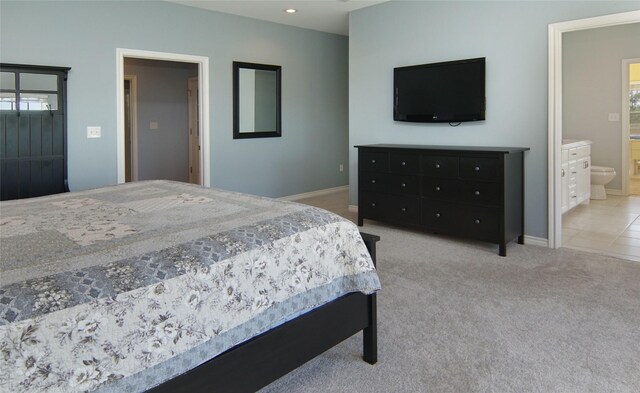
(449, 92)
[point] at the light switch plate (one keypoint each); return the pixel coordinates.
(614, 117)
(94, 132)
(153, 125)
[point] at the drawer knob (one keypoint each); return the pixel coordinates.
(437, 188)
(404, 184)
(437, 166)
(477, 193)
(404, 209)
(373, 204)
(373, 181)
(477, 221)
(404, 163)
(373, 161)
(477, 168)
(437, 215)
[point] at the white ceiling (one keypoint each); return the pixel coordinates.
(323, 15)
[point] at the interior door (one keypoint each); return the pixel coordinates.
(194, 133)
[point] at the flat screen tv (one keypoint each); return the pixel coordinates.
(449, 92)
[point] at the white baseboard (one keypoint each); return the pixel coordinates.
(312, 194)
(353, 208)
(536, 241)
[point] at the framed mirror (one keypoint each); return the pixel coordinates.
(256, 100)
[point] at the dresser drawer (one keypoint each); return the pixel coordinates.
(483, 193)
(440, 215)
(476, 222)
(441, 188)
(480, 223)
(374, 161)
(404, 162)
(458, 190)
(486, 168)
(393, 208)
(390, 183)
(440, 166)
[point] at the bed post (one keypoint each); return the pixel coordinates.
(370, 333)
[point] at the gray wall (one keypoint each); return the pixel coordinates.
(513, 36)
(162, 97)
(592, 88)
(84, 35)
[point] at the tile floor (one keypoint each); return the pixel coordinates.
(610, 226)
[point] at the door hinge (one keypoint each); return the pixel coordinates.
(190, 169)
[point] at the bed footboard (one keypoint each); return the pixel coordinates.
(370, 333)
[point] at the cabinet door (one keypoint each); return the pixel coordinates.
(583, 179)
(564, 185)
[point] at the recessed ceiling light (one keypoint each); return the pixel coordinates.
(291, 10)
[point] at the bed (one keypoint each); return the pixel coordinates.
(163, 286)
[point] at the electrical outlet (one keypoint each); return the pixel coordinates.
(153, 125)
(341, 168)
(614, 117)
(94, 132)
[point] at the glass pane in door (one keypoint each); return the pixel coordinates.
(8, 101)
(38, 102)
(8, 80)
(38, 82)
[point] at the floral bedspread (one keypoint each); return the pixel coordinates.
(121, 288)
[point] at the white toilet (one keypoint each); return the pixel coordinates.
(600, 176)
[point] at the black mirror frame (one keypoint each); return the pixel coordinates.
(237, 65)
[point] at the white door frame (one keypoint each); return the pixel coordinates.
(555, 110)
(203, 100)
(133, 87)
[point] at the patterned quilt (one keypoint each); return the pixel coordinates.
(121, 288)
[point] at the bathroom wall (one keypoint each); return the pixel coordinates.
(592, 89)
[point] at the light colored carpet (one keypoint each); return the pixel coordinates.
(453, 316)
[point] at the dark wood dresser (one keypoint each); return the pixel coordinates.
(472, 192)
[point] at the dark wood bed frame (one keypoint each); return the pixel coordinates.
(256, 363)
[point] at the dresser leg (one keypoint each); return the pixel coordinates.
(521, 239)
(360, 222)
(502, 249)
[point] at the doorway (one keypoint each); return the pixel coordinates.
(159, 148)
(631, 119)
(556, 31)
(202, 131)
